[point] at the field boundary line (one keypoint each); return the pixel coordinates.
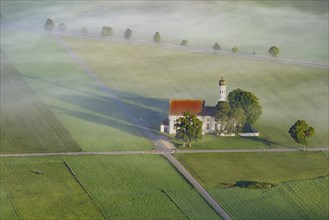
(83, 187)
(11, 201)
(171, 199)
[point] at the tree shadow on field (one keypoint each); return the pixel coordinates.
(101, 120)
(263, 141)
(253, 184)
(151, 111)
(148, 112)
(126, 114)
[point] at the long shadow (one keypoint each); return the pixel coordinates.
(129, 128)
(151, 111)
(59, 85)
(147, 110)
(268, 143)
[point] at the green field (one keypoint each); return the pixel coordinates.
(211, 141)
(301, 190)
(260, 167)
(27, 125)
(303, 199)
(43, 188)
(93, 119)
(139, 187)
(145, 78)
(114, 187)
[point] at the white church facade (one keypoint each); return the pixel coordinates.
(197, 107)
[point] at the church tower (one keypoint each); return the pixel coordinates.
(222, 89)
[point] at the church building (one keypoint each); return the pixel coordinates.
(197, 107)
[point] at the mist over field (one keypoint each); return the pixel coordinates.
(145, 77)
(298, 28)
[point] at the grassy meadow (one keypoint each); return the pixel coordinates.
(145, 78)
(43, 188)
(139, 187)
(300, 178)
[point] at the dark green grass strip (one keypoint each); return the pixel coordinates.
(11, 201)
(27, 124)
(171, 199)
(83, 187)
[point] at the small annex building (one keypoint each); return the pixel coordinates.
(197, 107)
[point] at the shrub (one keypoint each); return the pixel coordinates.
(183, 43)
(107, 31)
(254, 185)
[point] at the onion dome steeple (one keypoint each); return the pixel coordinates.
(222, 89)
(222, 82)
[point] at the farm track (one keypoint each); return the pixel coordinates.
(170, 46)
(210, 200)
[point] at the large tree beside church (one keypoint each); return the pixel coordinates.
(222, 110)
(248, 102)
(230, 119)
(188, 129)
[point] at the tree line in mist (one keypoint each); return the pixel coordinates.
(108, 32)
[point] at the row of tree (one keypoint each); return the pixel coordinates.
(108, 32)
(50, 26)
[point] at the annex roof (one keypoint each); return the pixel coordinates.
(209, 111)
(178, 106)
(165, 122)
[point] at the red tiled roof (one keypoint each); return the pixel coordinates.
(177, 107)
